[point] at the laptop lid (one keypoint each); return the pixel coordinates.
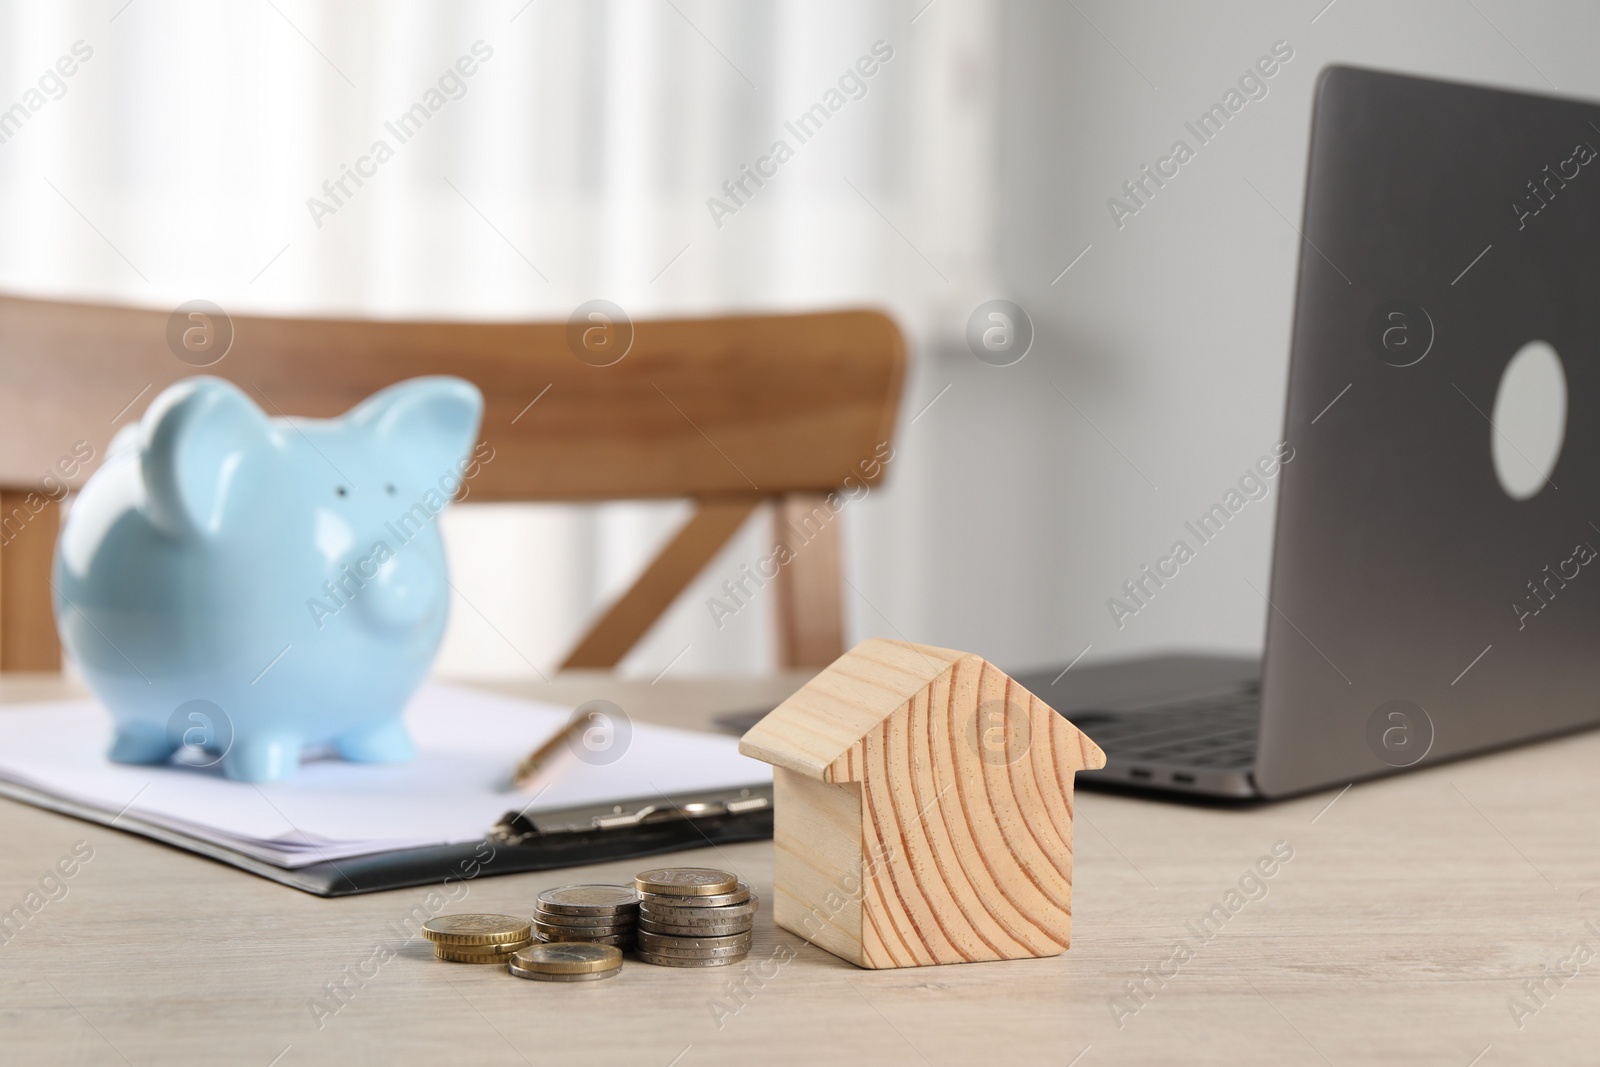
(1435, 589)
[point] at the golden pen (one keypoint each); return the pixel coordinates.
(531, 764)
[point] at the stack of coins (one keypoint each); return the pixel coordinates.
(566, 961)
(600, 914)
(477, 938)
(693, 917)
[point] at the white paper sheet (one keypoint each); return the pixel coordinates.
(468, 741)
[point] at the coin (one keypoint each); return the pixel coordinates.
(688, 961)
(665, 945)
(739, 895)
(477, 954)
(586, 922)
(667, 913)
(720, 930)
(547, 932)
(503, 951)
(475, 929)
(542, 976)
(568, 957)
(686, 881)
(649, 940)
(696, 954)
(588, 900)
(622, 940)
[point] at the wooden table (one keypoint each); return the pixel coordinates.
(1402, 931)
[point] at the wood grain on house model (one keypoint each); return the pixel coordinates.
(924, 809)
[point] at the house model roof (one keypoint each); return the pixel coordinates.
(819, 731)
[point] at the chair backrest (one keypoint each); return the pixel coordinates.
(731, 412)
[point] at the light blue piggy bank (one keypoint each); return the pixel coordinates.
(259, 586)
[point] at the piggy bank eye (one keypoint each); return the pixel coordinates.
(342, 491)
(390, 488)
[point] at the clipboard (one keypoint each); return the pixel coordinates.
(517, 844)
(341, 829)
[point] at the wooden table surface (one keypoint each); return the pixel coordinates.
(1406, 928)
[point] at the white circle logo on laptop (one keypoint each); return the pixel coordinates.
(1399, 733)
(1529, 421)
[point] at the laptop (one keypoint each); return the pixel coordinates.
(1434, 589)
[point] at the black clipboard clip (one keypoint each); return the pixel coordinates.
(524, 828)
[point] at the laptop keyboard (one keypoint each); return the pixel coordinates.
(1213, 732)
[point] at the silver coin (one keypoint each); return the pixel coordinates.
(718, 930)
(695, 954)
(546, 932)
(739, 895)
(588, 900)
(586, 921)
(564, 932)
(666, 945)
(567, 933)
(666, 913)
(541, 976)
(688, 961)
(568, 937)
(697, 941)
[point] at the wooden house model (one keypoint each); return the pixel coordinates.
(923, 804)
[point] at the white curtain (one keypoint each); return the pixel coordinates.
(564, 151)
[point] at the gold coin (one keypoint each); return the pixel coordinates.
(596, 900)
(504, 949)
(541, 976)
(686, 881)
(567, 957)
(475, 929)
(477, 955)
(501, 950)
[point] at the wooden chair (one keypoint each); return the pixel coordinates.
(732, 412)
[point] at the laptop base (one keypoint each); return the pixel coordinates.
(1175, 724)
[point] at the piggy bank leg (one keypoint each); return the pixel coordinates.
(136, 743)
(262, 759)
(387, 743)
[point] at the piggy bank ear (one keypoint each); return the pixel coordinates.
(199, 440)
(429, 424)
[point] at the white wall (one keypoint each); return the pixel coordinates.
(179, 161)
(1012, 519)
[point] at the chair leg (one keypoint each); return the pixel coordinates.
(810, 602)
(684, 557)
(29, 522)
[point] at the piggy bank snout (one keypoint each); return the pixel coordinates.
(405, 590)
